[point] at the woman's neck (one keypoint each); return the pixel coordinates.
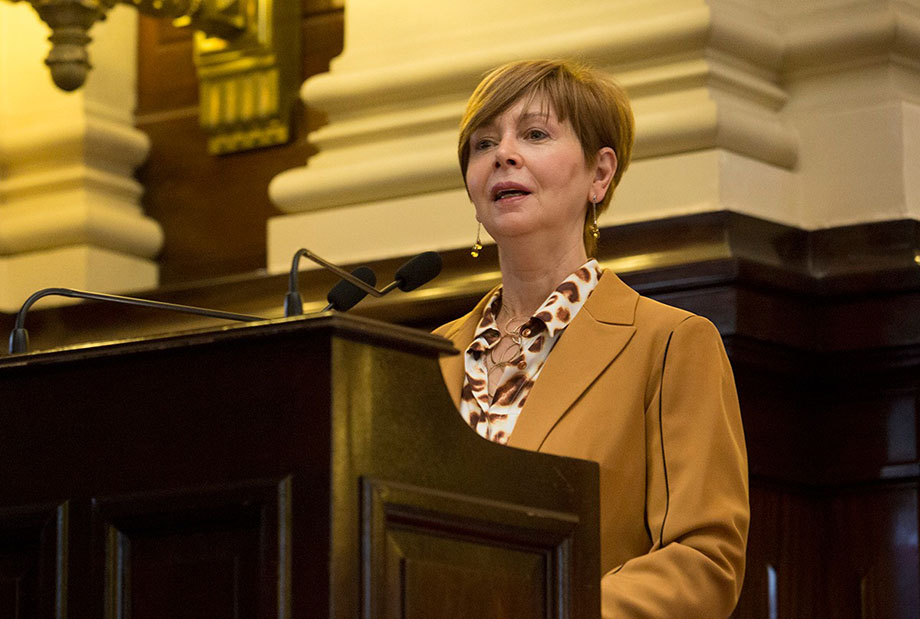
(529, 275)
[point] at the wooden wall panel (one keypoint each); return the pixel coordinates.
(213, 209)
(841, 553)
(166, 81)
(191, 554)
(33, 569)
(781, 579)
(449, 545)
(870, 560)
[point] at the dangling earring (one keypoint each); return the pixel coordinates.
(477, 246)
(593, 226)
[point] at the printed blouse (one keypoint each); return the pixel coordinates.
(493, 415)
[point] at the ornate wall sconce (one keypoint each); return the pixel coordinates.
(246, 53)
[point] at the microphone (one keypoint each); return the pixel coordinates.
(19, 337)
(345, 295)
(417, 271)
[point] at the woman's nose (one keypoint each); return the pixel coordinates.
(506, 155)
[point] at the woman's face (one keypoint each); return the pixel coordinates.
(527, 174)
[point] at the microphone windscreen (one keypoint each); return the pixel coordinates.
(418, 271)
(346, 295)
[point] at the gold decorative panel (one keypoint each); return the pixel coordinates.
(247, 53)
(248, 83)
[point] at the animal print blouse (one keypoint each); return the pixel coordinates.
(494, 416)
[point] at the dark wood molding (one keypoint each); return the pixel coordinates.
(849, 288)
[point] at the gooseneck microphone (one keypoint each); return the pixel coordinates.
(343, 296)
(417, 271)
(346, 295)
(19, 337)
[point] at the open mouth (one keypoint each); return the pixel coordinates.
(502, 194)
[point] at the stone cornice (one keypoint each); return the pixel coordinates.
(77, 221)
(69, 180)
(861, 32)
(95, 141)
(635, 37)
(699, 78)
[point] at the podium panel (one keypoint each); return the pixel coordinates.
(302, 468)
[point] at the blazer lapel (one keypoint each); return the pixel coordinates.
(460, 332)
(589, 344)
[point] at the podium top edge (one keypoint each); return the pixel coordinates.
(331, 324)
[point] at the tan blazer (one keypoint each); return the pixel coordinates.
(646, 391)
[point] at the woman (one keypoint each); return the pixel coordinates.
(564, 358)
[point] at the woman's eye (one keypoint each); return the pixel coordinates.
(536, 134)
(482, 144)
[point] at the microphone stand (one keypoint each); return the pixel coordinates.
(19, 337)
(351, 279)
(398, 281)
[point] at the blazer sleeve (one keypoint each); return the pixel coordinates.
(697, 502)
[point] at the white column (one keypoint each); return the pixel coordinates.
(727, 95)
(70, 210)
(852, 70)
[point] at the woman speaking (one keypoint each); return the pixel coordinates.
(564, 358)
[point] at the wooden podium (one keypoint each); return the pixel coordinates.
(296, 469)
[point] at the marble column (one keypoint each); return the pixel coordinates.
(70, 212)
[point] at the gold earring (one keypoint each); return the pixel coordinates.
(477, 246)
(595, 232)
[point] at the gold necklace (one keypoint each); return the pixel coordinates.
(495, 368)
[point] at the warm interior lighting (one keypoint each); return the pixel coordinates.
(246, 53)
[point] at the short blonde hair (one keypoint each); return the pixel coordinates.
(596, 107)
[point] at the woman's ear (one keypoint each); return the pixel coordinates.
(604, 168)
